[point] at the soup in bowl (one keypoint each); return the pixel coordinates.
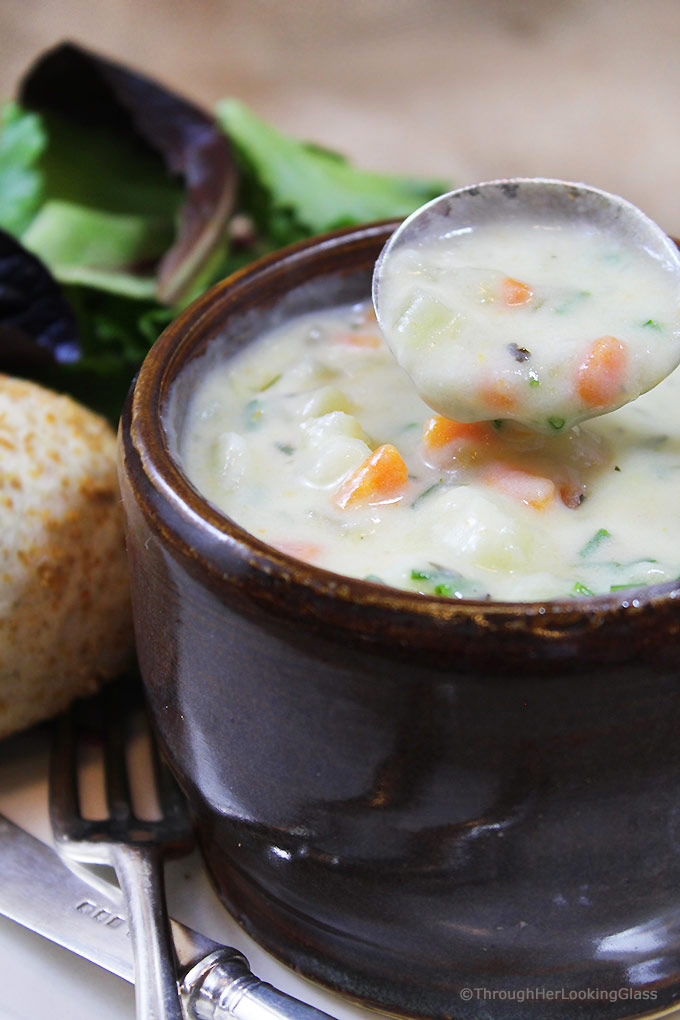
(435, 802)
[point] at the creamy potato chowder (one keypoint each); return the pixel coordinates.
(317, 442)
(543, 323)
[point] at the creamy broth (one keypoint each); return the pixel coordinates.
(317, 442)
(544, 323)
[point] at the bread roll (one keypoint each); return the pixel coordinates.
(65, 622)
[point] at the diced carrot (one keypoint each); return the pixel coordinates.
(381, 478)
(499, 396)
(514, 292)
(447, 443)
(301, 550)
(600, 376)
(352, 339)
(571, 494)
(439, 431)
(535, 491)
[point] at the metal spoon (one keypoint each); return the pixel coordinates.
(543, 203)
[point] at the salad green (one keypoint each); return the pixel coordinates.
(135, 201)
(22, 142)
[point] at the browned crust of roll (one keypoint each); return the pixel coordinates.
(65, 623)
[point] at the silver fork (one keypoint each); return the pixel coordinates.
(134, 847)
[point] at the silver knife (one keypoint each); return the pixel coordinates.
(41, 893)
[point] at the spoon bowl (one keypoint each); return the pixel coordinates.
(440, 340)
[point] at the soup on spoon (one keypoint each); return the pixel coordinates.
(535, 301)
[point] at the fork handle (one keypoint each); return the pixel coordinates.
(139, 871)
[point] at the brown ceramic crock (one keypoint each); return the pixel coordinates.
(447, 809)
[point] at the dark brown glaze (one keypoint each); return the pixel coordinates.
(405, 796)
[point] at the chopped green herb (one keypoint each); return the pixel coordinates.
(654, 442)
(533, 378)
(285, 448)
(653, 324)
(270, 383)
(581, 589)
(254, 413)
(447, 583)
(573, 299)
(426, 492)
(594, 543)
(557, 423)
(622, 587)
(498, 423)
(421, 575)
(616, 467)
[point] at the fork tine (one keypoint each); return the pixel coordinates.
(108, 722)
(115, 762)
(135, 848)
(64, 801)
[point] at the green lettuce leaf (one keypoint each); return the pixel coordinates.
(97, 167)
(22, 142)
(122, 143)
(294, 189)
(114, 252)
(115, 335)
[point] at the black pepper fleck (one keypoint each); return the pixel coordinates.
(519, 353)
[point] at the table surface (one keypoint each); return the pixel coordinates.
(470, 90)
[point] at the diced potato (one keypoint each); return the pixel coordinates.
(318, 431)
(325, 400)
(475, 527)
(309, 372)
(231, 459)
(427, 320)
(335, 459)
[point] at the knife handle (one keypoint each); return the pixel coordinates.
(223, 987)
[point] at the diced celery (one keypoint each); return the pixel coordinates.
(427, 320)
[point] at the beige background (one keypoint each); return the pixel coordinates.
(582, 89)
